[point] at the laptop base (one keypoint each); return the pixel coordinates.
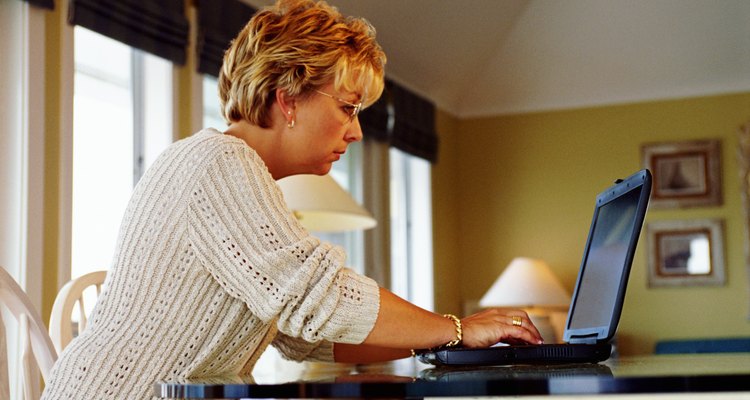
(520, 354)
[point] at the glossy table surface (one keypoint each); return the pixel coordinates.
(694, 373)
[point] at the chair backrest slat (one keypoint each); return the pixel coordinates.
(35, 342)
(61, 323)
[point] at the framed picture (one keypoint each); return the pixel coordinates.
(686, 174)
(685, 252)
(743, 159)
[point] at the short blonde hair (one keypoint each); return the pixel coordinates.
(298, 46)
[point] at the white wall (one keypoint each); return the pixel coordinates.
(11, 91)
(21, 155)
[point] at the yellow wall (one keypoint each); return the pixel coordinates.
(52, 87)
(446, 218)
(524, 185)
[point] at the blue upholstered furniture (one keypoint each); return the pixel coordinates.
(716, 345)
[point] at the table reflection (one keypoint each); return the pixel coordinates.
(411, 379)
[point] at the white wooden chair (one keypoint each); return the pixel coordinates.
(61, 324)
(34, 341)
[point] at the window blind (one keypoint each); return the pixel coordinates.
(219, 21)
(414, 124)
(50, 4)
(376, 120)
(155, 26)
(404, 120)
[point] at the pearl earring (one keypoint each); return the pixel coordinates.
(290, 124)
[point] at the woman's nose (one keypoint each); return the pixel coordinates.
(354, 133)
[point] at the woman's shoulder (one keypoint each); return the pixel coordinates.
(210, 145)
(212, 138)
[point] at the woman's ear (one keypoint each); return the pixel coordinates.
(287, 104)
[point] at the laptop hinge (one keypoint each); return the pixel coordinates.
(584, 339)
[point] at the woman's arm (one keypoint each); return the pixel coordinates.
(364, 354)
(401, 326)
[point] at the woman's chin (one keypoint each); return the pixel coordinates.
(322, 170)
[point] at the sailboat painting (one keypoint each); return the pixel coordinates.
(686, 174)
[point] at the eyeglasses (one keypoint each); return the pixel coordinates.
(351, 109)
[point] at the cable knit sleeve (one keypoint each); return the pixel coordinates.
(249, 241)
(300, 350)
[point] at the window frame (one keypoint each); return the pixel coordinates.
(66, 75)
(411, 247)
(145, 95)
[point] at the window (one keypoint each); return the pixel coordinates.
(347, 173)
(211, 113)
(411, 229)
(122, 121)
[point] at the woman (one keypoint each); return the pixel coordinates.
(211, 266)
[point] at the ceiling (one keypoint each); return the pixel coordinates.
(476, 58)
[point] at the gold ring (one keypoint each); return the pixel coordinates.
(517, 321)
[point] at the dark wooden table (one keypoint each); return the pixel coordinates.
(727, 374)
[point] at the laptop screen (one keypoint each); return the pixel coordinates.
(607, 259)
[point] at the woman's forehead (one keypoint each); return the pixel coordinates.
(364, 85)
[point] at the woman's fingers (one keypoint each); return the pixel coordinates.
(522, 319)
(524, 334)
(495, 325)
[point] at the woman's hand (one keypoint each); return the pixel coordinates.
(494, 325)
(402, 325)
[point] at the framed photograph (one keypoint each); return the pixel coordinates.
(685, 252)
(686, 174)
(744, 163)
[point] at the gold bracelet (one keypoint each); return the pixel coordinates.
(413, 353)
(459, 331)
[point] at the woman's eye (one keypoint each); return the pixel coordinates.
(349, 110)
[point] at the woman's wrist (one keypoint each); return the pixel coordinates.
(459, 331)
(457, 335)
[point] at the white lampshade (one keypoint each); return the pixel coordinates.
(321, 205)
(526, 282)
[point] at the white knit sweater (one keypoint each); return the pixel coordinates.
(210, 267)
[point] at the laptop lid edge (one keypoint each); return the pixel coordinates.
(604, 333)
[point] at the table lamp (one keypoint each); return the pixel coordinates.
(531, 285)
(322, 205)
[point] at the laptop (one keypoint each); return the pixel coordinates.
(599, 292)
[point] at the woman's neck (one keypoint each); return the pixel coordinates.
(265, 143)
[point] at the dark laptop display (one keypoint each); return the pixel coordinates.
(600, 288)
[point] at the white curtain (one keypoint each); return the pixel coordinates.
(376, 177)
